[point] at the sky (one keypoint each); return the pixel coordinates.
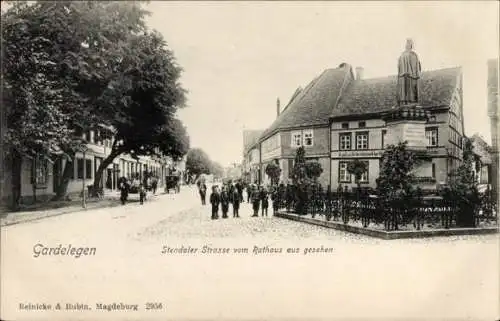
(239, 57)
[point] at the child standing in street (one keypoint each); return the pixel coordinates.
(264, 200)
(215, 200)
(224, 200)
(142, 193)
(236, 199)
(255, 201)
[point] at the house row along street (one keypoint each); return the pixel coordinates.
(167, 257)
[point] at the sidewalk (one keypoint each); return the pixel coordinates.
(49, 209)
(43, 210)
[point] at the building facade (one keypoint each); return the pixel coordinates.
(341, 116)
(359, 130)
(493, 113)
(251, 165)
(41, 176)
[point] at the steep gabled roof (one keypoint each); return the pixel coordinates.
(312, 105)
(250, 138)
(375, 95)
(481, 148)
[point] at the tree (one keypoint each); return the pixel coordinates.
(33, 96)
(273, 171)
(71, 51)
(216, 169)
(396, 175)
(463, 190)
(304, 175)
(198, 162)
(357, 168)
(150, 96)
(313, 170)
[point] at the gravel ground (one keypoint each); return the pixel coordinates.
(361, 277)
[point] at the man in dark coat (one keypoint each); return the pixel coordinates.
(124, 187)
(202, 188)
(275, 197)
(215, 201)
(235, 200)
(264, 200)
(255, 197)
(224, 201)
(249, 193)
(239, 188)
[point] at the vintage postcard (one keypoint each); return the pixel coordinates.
(246, 160)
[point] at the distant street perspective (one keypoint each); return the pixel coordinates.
(260, 161)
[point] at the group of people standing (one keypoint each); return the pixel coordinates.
(233, 194)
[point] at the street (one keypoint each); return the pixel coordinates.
(431, 278)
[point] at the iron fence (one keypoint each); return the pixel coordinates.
(369, 209)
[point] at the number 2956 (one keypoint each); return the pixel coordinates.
(154, 306)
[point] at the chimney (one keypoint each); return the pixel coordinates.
(277, 108)
(359, 73)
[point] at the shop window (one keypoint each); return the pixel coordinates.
(79, 168)
(40, 172)
(88, 169)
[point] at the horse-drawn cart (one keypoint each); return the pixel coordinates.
(172, 182)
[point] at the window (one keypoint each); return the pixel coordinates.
(88, 169)
(362, 124)
(433, 170)
(40, 171)
(384, 133)
(345, 141)
(432, 119)
(344, 176)
(364, 176)
(296, 139)
(345, 125)
(79, 168)
(431, 135)
(308, 138)
(362, 140)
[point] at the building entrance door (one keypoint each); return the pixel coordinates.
(56, 169)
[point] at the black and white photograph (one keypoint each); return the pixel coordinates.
(249, 160)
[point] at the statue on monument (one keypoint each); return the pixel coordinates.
(409, 70)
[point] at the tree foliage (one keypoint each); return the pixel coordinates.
(73, 66)
(304, 176)
(396, 178)
(198, 162)
(357, 168)
(273, 171)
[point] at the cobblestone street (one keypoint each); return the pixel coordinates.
(129, 241)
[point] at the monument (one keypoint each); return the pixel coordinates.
(406, 121)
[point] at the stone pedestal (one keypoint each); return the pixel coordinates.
(407, 123)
